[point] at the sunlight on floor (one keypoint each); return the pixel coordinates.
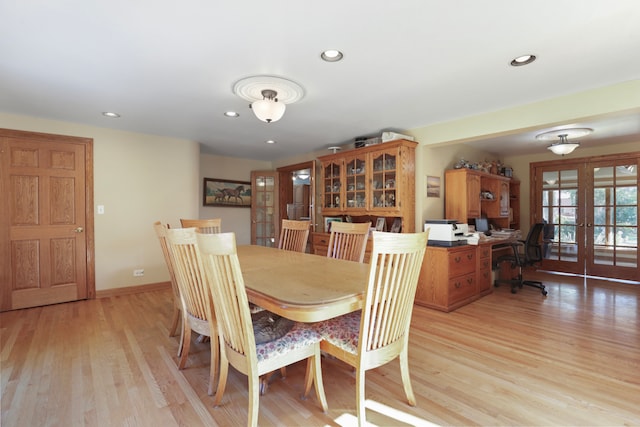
(394, 416)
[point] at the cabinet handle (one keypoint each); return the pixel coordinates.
(469, 256)
(458, 259)
(457, 285)
(470, 280)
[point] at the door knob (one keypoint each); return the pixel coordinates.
(79, 230)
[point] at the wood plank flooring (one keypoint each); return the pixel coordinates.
(571, 359)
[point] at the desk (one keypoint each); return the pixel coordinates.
(302, 287)
(452, 277)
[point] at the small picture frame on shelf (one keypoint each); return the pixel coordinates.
(396, 227)
(381, 224)
(328, 220)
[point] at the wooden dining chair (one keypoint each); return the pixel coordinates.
(237, 339)
(195, 294)
(294, 235)
(161, 232)
(207, 226)
(379, 332)
(348, 240)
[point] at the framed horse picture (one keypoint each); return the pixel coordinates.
(224, 192)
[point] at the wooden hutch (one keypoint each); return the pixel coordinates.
(365, 184)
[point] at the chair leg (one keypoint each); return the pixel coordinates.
(254, 396)
(215, 360)
(186, 343)
(360, 408)
(536, 284)
(222, 379)
(406, 379)
(174, 321)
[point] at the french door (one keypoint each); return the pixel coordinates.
(591, 210)
(265, 217)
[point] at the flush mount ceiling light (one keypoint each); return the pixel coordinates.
(523, 60)
(563, 146)
(231, 114)
(111, 115)
(268, 95)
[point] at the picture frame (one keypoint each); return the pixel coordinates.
(433, 186)
(381, 224)
(328, 220)
(226, 193)
(396, 227)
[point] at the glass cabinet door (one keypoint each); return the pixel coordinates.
(264, 208)
(331, 185)
(383, 181)
(356, 183)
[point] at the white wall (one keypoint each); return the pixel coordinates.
(237, 220)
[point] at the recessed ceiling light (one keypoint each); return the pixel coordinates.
(270, 141)
(231, 114)
(331, 55)
(523, 60)
(111, 115)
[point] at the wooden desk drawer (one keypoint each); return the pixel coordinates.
(462, 287)
(462, 262)
(485, 251)
(484, 279)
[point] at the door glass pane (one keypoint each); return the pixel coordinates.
(615, 216)
(560, 212)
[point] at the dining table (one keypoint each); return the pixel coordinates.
(300, 286)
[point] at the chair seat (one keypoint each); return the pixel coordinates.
(299, 336)
(342, 332)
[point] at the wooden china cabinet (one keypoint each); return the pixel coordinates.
(368, 183)
(376, 181)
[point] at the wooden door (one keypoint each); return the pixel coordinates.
(591, 209)
(46, 221)
(560, 202)
(612, 218)
(265, 216)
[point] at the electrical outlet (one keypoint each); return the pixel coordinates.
(138, 273)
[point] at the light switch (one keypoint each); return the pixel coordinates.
(100, 209)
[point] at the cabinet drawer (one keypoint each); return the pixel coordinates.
(320, 239)
(462, 262)
(462, 287)
(485, 251)
(484, 279)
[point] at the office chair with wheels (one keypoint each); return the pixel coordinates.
(531, 254)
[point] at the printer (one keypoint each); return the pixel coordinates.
(446, 232)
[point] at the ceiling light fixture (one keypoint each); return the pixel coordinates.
(268, 95)
(523, 60)
(563, 147)
(111, 115)
(331, 55)
(231, 114)
(268, 109)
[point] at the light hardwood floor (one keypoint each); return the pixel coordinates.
(570, 359)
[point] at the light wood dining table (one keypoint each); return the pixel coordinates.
(299, 286)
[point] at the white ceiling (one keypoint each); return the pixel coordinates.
(168, 67)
